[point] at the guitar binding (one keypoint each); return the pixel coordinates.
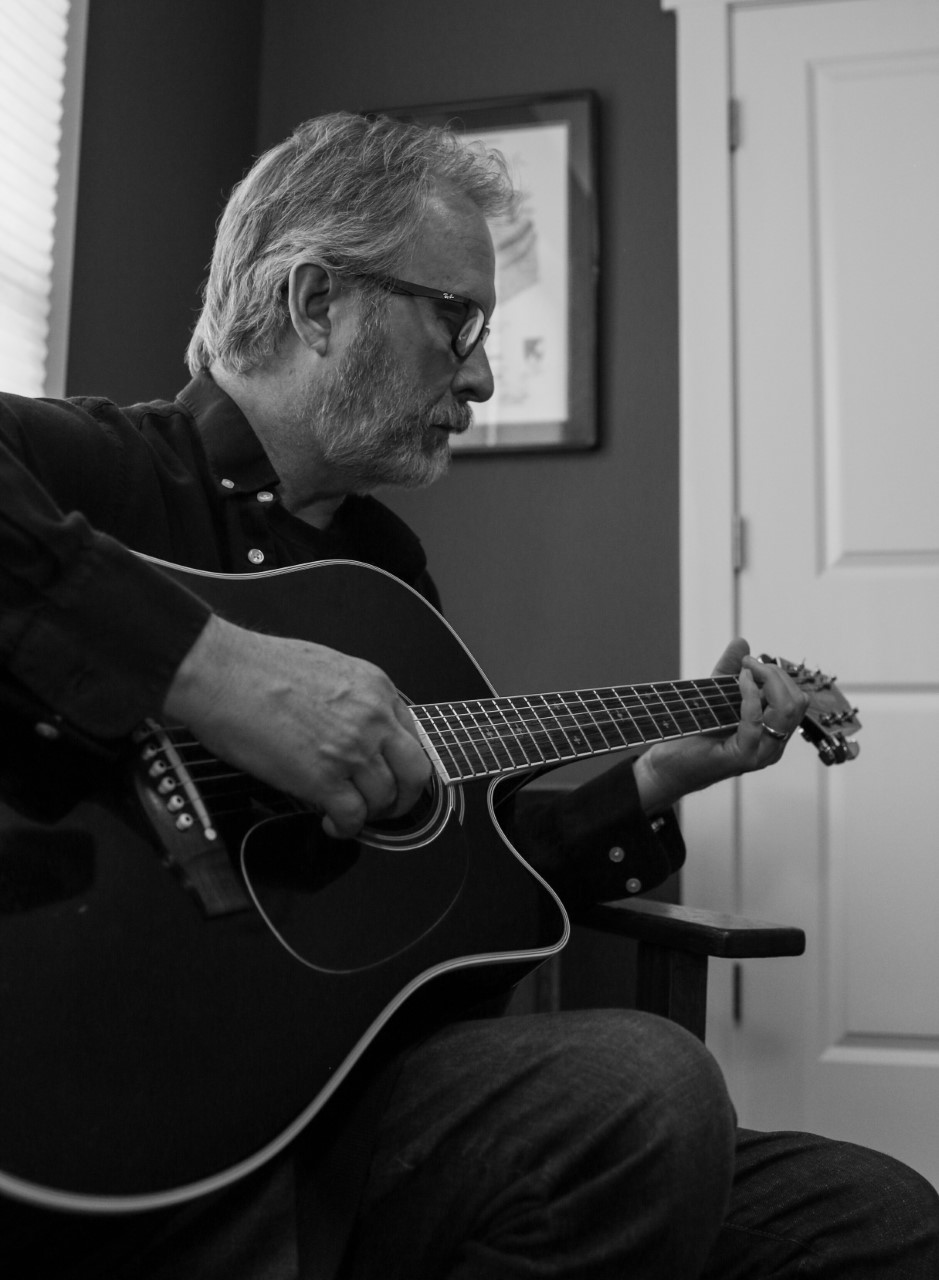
(420, 825)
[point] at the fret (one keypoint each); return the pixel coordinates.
(506, 715)
(489, 737)
(726, 700)
(587, 731)
(506, 732)
(646, 726)
(554, 741)
(444, 737)
(659, 710)
(622, 718)
(489, 741)
(708, 712)
(682, 714)
(608, 717)
(479, 752)
(585, 734)
(528, 730)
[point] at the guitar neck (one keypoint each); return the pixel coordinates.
(489, 737)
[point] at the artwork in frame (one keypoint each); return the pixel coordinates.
(543, 340)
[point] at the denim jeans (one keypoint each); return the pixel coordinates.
(603, 1144)
(577, 1145)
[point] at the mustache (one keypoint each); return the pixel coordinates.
(455, 418)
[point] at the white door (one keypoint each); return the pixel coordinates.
(836, 205)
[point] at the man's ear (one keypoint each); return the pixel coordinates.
(311, 292)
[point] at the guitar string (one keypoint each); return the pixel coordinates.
(535, 722)
(678, 711)
(576, 727)
(570, 727)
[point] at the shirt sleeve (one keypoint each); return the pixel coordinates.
(594, 843)
(95, 632)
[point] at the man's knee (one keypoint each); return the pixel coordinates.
(663, 1085)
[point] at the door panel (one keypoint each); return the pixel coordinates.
(836, 200)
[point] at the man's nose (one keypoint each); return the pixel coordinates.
(473, 380)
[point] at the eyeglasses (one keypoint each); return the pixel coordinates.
(469, 316)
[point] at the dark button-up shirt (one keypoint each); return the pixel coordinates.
(96, 633)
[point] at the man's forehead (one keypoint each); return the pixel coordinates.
(453, 249)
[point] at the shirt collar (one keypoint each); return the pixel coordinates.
(236, 456)
(363, 529)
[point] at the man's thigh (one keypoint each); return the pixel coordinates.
(568, 1144)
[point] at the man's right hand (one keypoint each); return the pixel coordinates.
(325, 727)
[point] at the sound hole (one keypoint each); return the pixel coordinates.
(346, 905)
(416, 827)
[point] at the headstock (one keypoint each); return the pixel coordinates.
(829, 719)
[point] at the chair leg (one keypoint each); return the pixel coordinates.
(673, 984)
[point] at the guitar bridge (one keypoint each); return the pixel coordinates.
(189, 838)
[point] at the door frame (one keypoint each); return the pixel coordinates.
(709, 527)
(707, 429)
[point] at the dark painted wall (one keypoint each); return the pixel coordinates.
(168, 125)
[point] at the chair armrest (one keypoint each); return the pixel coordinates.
(709, 933)
(674, 944)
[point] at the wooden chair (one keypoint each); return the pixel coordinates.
(674, 944)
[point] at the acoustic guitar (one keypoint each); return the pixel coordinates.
(190, 968)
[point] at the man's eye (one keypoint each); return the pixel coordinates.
(454, 317)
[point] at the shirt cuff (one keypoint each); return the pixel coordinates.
(595, 843)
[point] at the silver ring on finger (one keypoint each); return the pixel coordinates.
(774, 733)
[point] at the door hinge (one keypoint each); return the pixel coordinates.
(738, 994)
(739, 544)
(733, 123)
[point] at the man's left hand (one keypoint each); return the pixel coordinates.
(772, 707)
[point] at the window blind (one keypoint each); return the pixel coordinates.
(33, 40)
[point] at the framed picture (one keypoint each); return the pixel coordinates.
(543, 340)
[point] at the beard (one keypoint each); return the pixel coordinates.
(368, 420)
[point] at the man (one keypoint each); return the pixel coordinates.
(341, 342)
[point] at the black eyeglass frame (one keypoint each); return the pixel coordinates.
(394, 285)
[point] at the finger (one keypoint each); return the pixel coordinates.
(769, 723)
(784, 703)
(778, 735)
(345, 812)
(376, 784)
(405, 718)
(750, 730)
(409, 765)
(732, 658)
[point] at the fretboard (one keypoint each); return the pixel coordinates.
(488, 737)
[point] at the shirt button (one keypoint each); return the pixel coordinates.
(265, 496)
(228, 484)
(633, 885)
(256, 556)
(616, 854)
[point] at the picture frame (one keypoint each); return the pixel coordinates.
(543, 340)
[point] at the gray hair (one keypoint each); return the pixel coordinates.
(345, 191)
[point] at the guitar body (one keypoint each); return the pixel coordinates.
(183, 987)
